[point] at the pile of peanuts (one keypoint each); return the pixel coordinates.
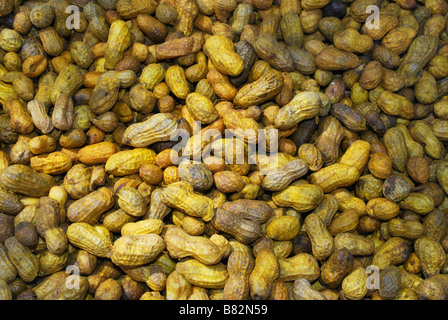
(346, 201)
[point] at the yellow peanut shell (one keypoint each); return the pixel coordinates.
(335, 176)
(181, 245)
(128, 161)
(23, 259)
(265, 271)
(157, 128)
(302, 198)
(198, 274)
(221, 53)
(136, 250)
(93, 239)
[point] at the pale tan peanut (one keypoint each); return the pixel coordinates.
(177, 82)
(183, 198)
(96, 240)
(283, 228)
(417, 202)
(301, 265)
(241, 126)
(302, 290)
(265, 271)
(153, 275)
(348, 201)
(354, 286)
(198, 274)
(157, 208)
(357, 155)
(5, 291)
(115, 220)
(177, 287)
(335, 176)
(55, 287)
(201, 108)
(53, 163)
(24, 261)
(220, 51)
(394, 251)
(327, 208)
(303, 106)
(382, 209)
(302, 198)
(431, 255)
(322, 242)
(157, 128)
(239, 267)
(40, 117)
(263, 89)
(118, 41)
(97, 153)
(143, 227)
(433, 288)
(50, 263)
(128, 161)
(356, 244)
(131, 201)
(279, 179)
(8, 271)
(181, 245)
(90, 207)
(136, 250)
(25, 180)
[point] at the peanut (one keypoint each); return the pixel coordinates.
(265, 271)
(136, 250)
(196, 273)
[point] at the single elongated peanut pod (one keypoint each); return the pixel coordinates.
(265, 271)
(198, 274)
(25, 262)
(93, 239)
(136, 250)
(180, 245)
